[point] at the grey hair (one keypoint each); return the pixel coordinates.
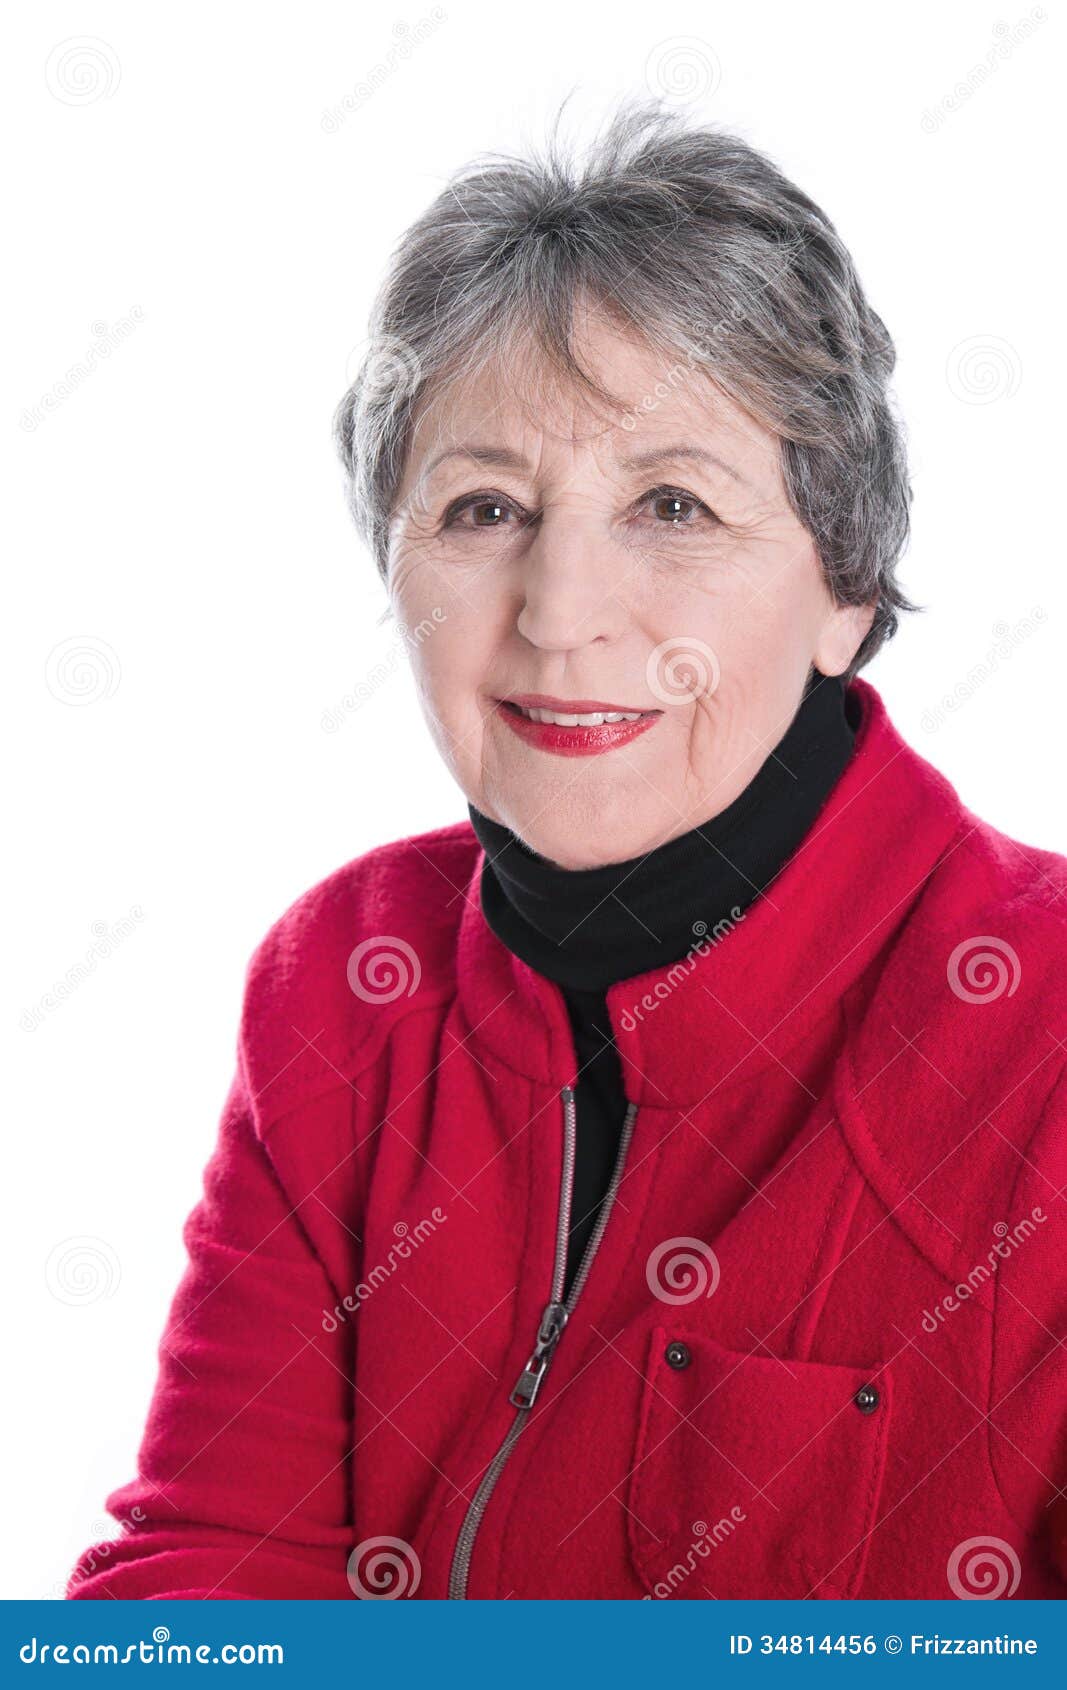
(700, 247)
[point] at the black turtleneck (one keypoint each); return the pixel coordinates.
(587, 928)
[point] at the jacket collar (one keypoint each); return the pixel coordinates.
(753, 989)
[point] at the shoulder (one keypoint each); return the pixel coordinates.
(371, 942)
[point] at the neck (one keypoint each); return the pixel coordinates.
(587, 928)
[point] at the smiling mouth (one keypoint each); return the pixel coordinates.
(579, 713)
(581, 727)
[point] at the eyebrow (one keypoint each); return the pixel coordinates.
(502, 457)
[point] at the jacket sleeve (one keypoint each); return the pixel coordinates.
(242, 1486)
(1028, 1401)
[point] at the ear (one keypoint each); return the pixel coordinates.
(841, 636)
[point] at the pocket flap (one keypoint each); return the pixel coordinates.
(754, 1477)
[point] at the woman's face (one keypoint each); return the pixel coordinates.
(648, 562)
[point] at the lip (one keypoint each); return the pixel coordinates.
(568, 706)
(576, 741)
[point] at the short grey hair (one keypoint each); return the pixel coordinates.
(701, 248)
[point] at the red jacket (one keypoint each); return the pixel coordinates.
(820, 1350)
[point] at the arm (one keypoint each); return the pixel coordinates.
(243, 1476)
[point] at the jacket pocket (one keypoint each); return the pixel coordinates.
(753, 1476)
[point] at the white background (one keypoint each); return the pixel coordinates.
(230, 194)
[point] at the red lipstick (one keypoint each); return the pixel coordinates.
(576, 741)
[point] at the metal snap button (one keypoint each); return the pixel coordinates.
(866, 1399)
(677, 1354)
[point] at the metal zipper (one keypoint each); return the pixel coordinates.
(554, 1318)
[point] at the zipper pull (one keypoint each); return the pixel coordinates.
(553, 1320)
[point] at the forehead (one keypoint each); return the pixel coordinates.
(516, 399)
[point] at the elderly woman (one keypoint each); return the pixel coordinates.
(654, 1186)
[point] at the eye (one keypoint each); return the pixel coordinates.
(673, 507)
(492, 506)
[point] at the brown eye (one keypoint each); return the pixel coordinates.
(494, 511)
(671, 508)
(487, 511)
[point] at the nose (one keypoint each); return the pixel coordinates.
(569, 588)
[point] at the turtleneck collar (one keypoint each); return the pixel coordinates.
(587, 928)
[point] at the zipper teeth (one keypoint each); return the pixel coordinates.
(605, 1208)
(461, 1559)
(566, 1189)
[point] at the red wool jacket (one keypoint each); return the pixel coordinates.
(817, 1348)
